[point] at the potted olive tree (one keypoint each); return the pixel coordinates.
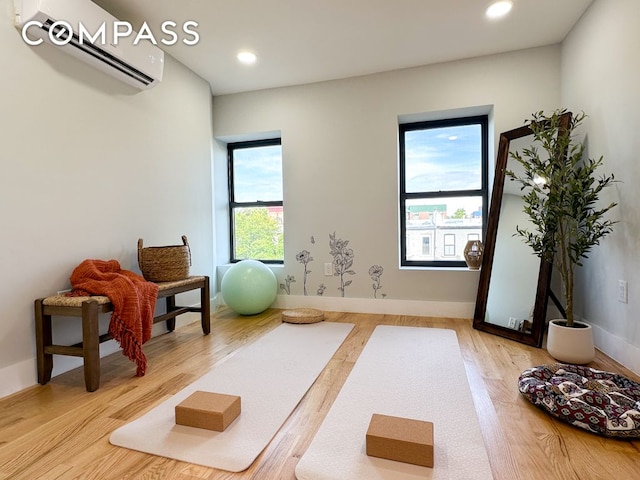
(561, 194)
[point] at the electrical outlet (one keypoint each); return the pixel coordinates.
(512, 322)
(623, 291)
(328, 269)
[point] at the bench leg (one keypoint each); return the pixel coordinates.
(205, 308)
(171, 306)
(43, 339)
(91, 345)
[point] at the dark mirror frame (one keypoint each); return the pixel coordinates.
(534, 337)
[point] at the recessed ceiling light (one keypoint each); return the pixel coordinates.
(246, 57)
(499, 9)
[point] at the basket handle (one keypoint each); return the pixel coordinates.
(186, 244)
(140, 252)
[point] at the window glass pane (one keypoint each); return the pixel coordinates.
(257, 173)
(449, 245)
(258, 233)
(426, 245)
(446, 222)
(443, 159)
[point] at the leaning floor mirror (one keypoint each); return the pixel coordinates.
(513, 288)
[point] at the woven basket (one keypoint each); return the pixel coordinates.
(164, 264)
(302, 315)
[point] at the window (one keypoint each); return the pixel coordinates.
(443, 189)
(426, 245)
(449, 245)
(255, 200)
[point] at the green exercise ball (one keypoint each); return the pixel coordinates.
(249, 287)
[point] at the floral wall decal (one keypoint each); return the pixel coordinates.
(342, 260)
(286, 286)
(375, 272)
(341, 267)
(305, 257)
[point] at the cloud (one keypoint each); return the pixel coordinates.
(257, 174)
(446, 159)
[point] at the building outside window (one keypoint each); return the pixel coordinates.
(449, 245)
(473, 236)
(443, 189)
(255, 200)
(426, 245)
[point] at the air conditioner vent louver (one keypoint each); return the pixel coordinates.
(97, 53)
(140, 65)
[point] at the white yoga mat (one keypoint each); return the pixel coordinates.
(271, 376)
(408, 372)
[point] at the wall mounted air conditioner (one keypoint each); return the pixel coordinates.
(139, 65)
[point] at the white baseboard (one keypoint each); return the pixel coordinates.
(617, 348)
(24, 374)
(371, 305)
(17, 377)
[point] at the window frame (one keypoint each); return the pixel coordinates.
(483, 191)
(449, 247)
(233, 205)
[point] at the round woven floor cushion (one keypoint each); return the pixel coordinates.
(302, 315)
(601, 402)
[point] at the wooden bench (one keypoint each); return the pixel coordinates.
(89, 309)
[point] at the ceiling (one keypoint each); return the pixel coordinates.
(305, 41)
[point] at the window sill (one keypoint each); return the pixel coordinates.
(440, 269)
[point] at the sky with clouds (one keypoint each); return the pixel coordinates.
(257, 173)
(443, 159)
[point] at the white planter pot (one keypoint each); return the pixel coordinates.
(570, 344)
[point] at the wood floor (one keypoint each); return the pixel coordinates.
(60, 431)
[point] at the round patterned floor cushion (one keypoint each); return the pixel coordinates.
(601, 402)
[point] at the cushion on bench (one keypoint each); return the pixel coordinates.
(601, 402)
(179, 283)
(65, 301)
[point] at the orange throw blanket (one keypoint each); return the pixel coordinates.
(133, 300)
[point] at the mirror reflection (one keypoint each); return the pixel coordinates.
(513, 288)
(512, 292)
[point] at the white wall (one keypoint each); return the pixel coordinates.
(340, 160)
(89, 165)
(600, 71)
